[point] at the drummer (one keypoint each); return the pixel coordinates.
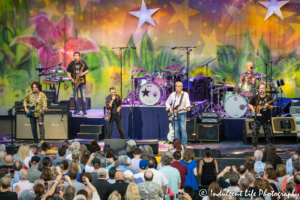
(248, 76)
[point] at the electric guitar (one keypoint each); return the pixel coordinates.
(171, 134)
(171, 116)
(32, 111)
(258, 109)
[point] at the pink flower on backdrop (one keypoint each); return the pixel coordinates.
(54, 41)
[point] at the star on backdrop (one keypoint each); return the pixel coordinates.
(274, 8)
(296, 35)
(144, 15)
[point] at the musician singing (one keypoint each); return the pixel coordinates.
(265, 102)
(179, 100)
(113, 112)
(248, 76)
(37, 100)
(77, 68)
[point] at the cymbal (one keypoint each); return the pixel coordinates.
(176, 72)
(137, 69)
(225, 84)
(173, 67)
(147, 75)
(131, 72)
(216, 75)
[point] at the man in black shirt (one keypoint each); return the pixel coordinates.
(101, 184)
(113, 112)
(78, 68)
(119, 185)
(5, 192)
(263, 118)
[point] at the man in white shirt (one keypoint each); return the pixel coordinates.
(135, 162)
(24, 184)
(180, 101)
(143, 166)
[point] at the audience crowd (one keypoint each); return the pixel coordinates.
(134, 174)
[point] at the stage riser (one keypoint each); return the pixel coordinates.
(88, 128)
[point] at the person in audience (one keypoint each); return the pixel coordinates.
(61, 156)
(84, 157)
(73, 174)
(234, 178)
(143, 166)
(132, 192)
(136, 160)
(75, 156)
(45, 147)
(24, 153)
(281, 173)
(123, 164)
(128, 175)
(2, 158)
(213, 188)
(149, 189)
(82, 148)
(29, 194)
(109, 156)
(101, 184)
(5, 191)
(119, 185)
(68, 193)
(74, 146)
(188, 160)
(47, 175)
(159, 177)
(263, 185)
(33, 150)
(143, 151)
(9, 161)
(181, 168)
(244, 186)
(39, 191)
(112, 172)
(271, 156)
(270, 175)
(122, 153)
(250, 165)
(23, 184)
(131, 145)
(289, 161)
(176, 145)
(208, 168)
(149, 151)
(65, 144)
(66, 166)
(241, 170)
(172, 175)
(252, 189)
(294, 158)
(96, 164)
(168, 153)
(115, 195)
(83, 176)
(91, 191)
(258, 165)
(33, 173)
(3, 148)
(17, 166)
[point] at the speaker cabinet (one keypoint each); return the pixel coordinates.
(248, 127)
(152, 143)
(209, 132)
(116, 144)
(276, 125)
(56, 126)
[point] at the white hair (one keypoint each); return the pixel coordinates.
(2, 147)
(2, 155)
(38, 181)
(75, 145)
(258, 155)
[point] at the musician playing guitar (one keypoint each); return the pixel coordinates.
(36, 100)
(262, 106)
(179, 100)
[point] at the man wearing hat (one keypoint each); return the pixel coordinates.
(143, 166)
(75, 156)
(131, 145)
(129, 175)
(100, 183)
(96, 164)
(33, 172)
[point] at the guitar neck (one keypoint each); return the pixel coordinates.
(177, 111)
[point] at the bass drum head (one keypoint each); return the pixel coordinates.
(236, 106)
(149, 94)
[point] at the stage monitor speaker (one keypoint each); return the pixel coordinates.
(248, 127)
(116, 144)
(87, 104)
(190, 123)
(276, 125)
(209, 132)
(152, 143)
(199, 153)
(56, 126)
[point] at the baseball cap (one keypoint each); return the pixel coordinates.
(80, 196)
(96, 161)
(102, 171)
(131, 143)
(35, 159)
(143, 164)
(76, 153)
(128, 174)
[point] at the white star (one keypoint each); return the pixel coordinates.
(144, 15)
(274, 8)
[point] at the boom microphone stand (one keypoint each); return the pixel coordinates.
(267, 65)
(206, 65)
(121, 60)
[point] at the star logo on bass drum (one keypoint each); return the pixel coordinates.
(145, 92)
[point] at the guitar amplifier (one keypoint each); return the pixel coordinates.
(295, 102)
(210, 121)
(297, 118)
(210, 115)
(51, 95)
(294, 110)
(62, 106)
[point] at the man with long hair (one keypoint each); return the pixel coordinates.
(37, 101)
(77, 68)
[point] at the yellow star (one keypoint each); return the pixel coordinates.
(50, 9)
(183, 12)
(296, 35)
(211, 44)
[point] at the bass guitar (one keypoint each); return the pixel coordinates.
(258, 109)
(32, 111)
(171, 116)
(171, 134)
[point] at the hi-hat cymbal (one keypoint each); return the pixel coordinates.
(131, 72)
(216, 75)
(174, 67)
(225, 84)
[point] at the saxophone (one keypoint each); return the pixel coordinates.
(78, 80)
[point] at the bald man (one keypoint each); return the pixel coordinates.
(8, 160)
(245, 77)
(119, 185)
(149, 189)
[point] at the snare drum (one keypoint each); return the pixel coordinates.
(236, 106)
(150, 94)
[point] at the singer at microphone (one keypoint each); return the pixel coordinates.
(247, 83)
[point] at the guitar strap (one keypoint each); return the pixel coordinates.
(179, 101)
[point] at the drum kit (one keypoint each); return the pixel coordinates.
(152, 89)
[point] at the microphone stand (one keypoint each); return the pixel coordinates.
(206, 65)
(267, 65)
(188, 64)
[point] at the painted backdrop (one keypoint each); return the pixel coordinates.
(46, 32)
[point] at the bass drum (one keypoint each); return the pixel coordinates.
(236, 106)
(150, 94)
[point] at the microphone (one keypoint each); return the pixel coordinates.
(59, 64)
(257, 52)
(173, 59)
(133, 47)
(174, 48)
(190, 50)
